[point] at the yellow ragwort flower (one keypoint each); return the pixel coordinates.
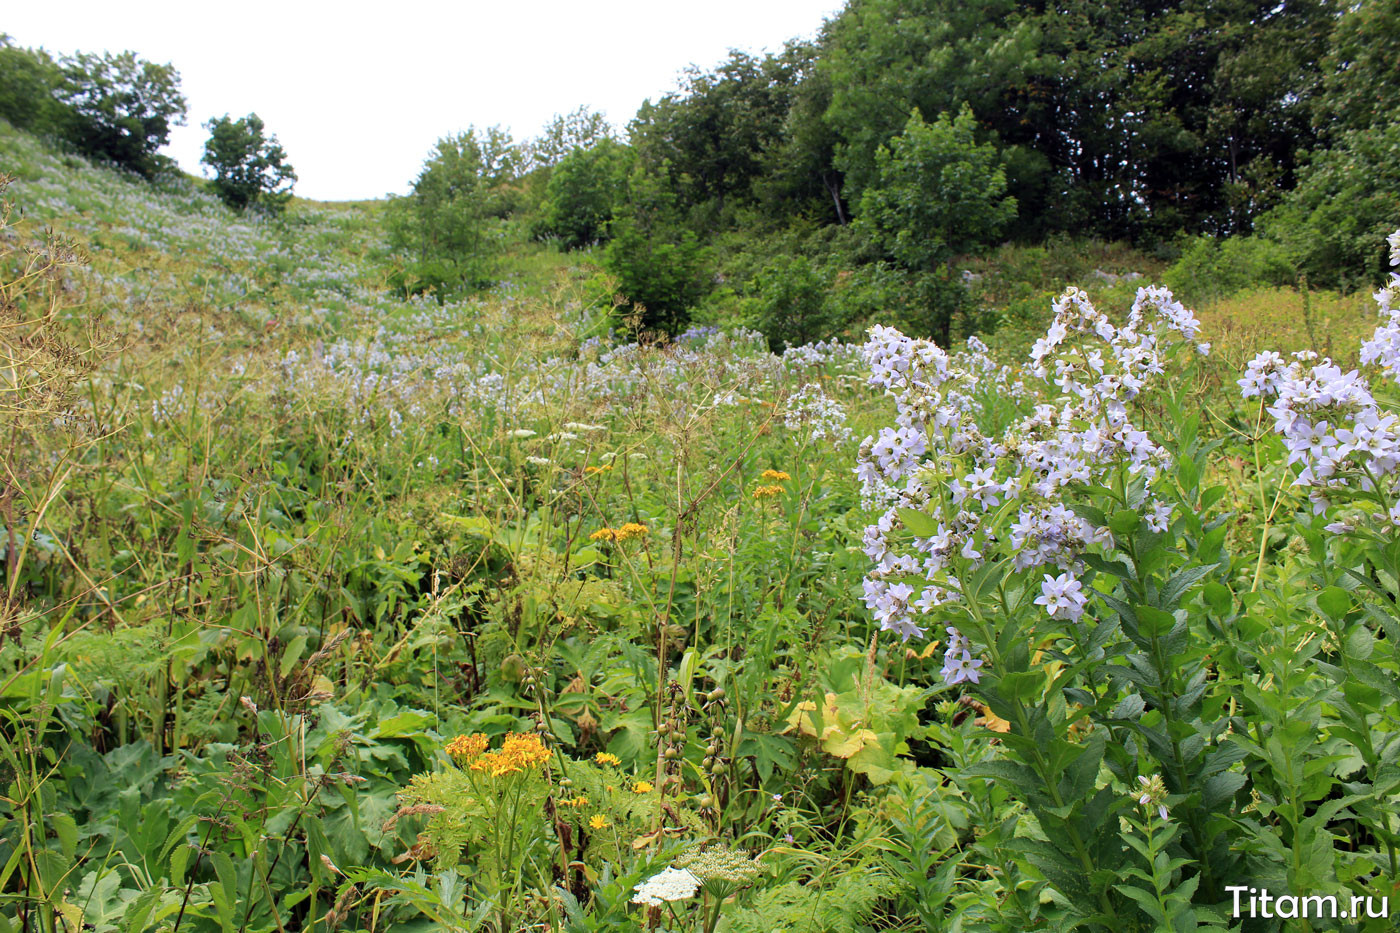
(577, 802)
(597, 821)
(631, 530)
(603, 534)
(642, 787)
(467, 746)
(607, 758)
(593, 470)
(778, 476)
(767, 492)
(518, 752)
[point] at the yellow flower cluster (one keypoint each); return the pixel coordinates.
(642, 787)
(592, 470)
(575, 802)
(626, 533)
(467, 746)
(607, 758)
(518, 752)
(767, 492)
(775, 476)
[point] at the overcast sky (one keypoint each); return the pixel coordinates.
(357, 93)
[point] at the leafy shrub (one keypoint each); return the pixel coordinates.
(663, 280)
(1347, 200)
(791, 302)
(449, 223)
(582, 191)
(249, 168)
(1213, 269)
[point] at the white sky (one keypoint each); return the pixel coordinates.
(357, 93)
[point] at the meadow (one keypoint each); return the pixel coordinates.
(329, 609)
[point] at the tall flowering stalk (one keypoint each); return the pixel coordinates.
(983, 464)
(1000, 496)
(1343, 437)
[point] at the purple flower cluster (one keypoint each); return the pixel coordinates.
(1330, 422)
(971, 435)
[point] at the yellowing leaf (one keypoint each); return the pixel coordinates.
(844, 746)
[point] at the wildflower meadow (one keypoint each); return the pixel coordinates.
(334, 605)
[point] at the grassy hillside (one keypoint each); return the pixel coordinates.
(326, 609)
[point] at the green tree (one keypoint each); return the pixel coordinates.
(566, 134)
(1361, 84)
(937, 194)
(249, 167)
(448, 225)
(582, 192)
(661, 266)
(713, 136)
(121, 108)
(28, 78)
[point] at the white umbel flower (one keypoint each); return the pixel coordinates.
(673, 884)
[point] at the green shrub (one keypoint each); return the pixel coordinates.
(662, 279)
(1212, 269)
(582, 191)
(791, 302)
(249, 168)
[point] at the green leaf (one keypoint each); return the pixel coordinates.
(920, 523)
(1334, 602)
(1217, 597)
(1124, 522)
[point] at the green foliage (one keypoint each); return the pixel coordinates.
(449, 224)
(1344, 206)
(122, 107)
(249, 168)
(28, 78)
(583, 190)
(565, 135)
(662, 268)
(1360, 90)
(937, 193)
(1210, 269)
(792, 302)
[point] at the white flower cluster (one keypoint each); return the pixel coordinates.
(672, 884)
(1329, 420)
(820, 417)
(971, 434)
